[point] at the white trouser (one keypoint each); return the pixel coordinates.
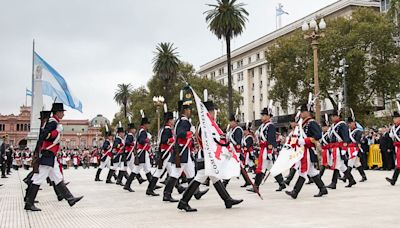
(75, 161)
(201, 176)
(187, 168)
(354, 162)
(119, 164)
(267, 164)
(166, 165)
(310, 168)
(53, 173)
(145, 166)
(106, 163)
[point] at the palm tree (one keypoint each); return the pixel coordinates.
(166, 64)
(226, 20)
(122, 94)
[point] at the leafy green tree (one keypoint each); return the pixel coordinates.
(365, 41)
(121, 96)
(226, 20)
(166, 65)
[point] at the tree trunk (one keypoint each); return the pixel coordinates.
(125, 104)
(228, 60)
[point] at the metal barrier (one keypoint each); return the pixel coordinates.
(374, 156)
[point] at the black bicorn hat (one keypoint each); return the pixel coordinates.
(131, 126)
(168, 116)
(45, 115)
(57, 107)
(266, 111)
(185, 99)
(120, 129)
(350, 120)
(144, 121)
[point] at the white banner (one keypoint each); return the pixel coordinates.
(219, 159)
(288, 156)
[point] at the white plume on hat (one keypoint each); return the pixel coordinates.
(106, 127)
(181, 95)
(352, 114)
(142, 113)
(165, 108)
(119, 124)
(205, 93)
(130, 119)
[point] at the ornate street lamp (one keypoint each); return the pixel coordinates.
(158, 103)
(312, 32)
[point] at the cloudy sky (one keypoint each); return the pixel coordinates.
(97, 44)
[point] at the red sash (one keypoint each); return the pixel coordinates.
(397, 148)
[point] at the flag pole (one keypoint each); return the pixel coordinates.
(33, 60)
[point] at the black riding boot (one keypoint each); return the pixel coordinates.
(362, 173)
(257, 182)
(179, 187)
(310, 180)
(120, 176)
(62, 188)
(98, 175)
(187, 195)
(349, 177)
(28, 178)
(229, 202)
(289, 178)
(322, 171)
(297, 187)
(394, 178)
(207, 182)
(57, 191)
(32, 193)
(321, 186)
(128, 183)
(139, 178)
(335, 176)
(109, 175)
(151, 186)
(168, 190)
(281, 183)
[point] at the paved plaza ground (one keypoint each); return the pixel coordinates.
(371, 204)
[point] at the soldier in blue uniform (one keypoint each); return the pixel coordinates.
(312, 133)
(117, 151)
(106, 155)
(338, 142)
(395, 135)
(247, 151)
(129, 154)
(181, 159)
(266, 134)
(49, 166)
(235, 136)
(355, 148)
(200, 177)
(166, 143)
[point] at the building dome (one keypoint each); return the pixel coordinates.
(99, 120)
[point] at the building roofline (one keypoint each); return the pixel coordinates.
(328, 10)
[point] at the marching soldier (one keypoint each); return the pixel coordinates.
(193, 188)
(49, 166)
(312, 133)
(267, 140)
(166, 143)
(235, 136)
(248, 147)
(106, 156)
(355, 147)
(118, 153)
(130, 143)
(339, 140)
(292, 136)
(181, 159)
(395, 134)
(326, 157)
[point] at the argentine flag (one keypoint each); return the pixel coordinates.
(53, 84)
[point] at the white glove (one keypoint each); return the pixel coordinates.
(301, 141)
(149, 136)
(60, 128)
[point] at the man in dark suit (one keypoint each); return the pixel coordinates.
(365, 150)
(386, 147)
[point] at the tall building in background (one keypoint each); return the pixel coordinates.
(251, 71)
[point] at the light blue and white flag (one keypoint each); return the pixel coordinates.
(54, 85)
(28, 92)
(280, 11)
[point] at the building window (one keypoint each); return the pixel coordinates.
(277, 111)
(249, 60)
(242, 116)
(252, 100)
(261, 85)
(254, 115)
(251, 72)
(241, 101)
(260, 71)
(17, 127)
(261, 97)
(258, 56)
(252, 86)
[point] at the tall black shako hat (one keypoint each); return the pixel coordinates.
(45, 115)
(235, 117)
(309, 106)
(268, 110)
(397, 112)
(185, 99)
(144, 118)
(57, 107)
(130, 124)
(208, 103)
(167, 115)
(108, 132)
(120, 128)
